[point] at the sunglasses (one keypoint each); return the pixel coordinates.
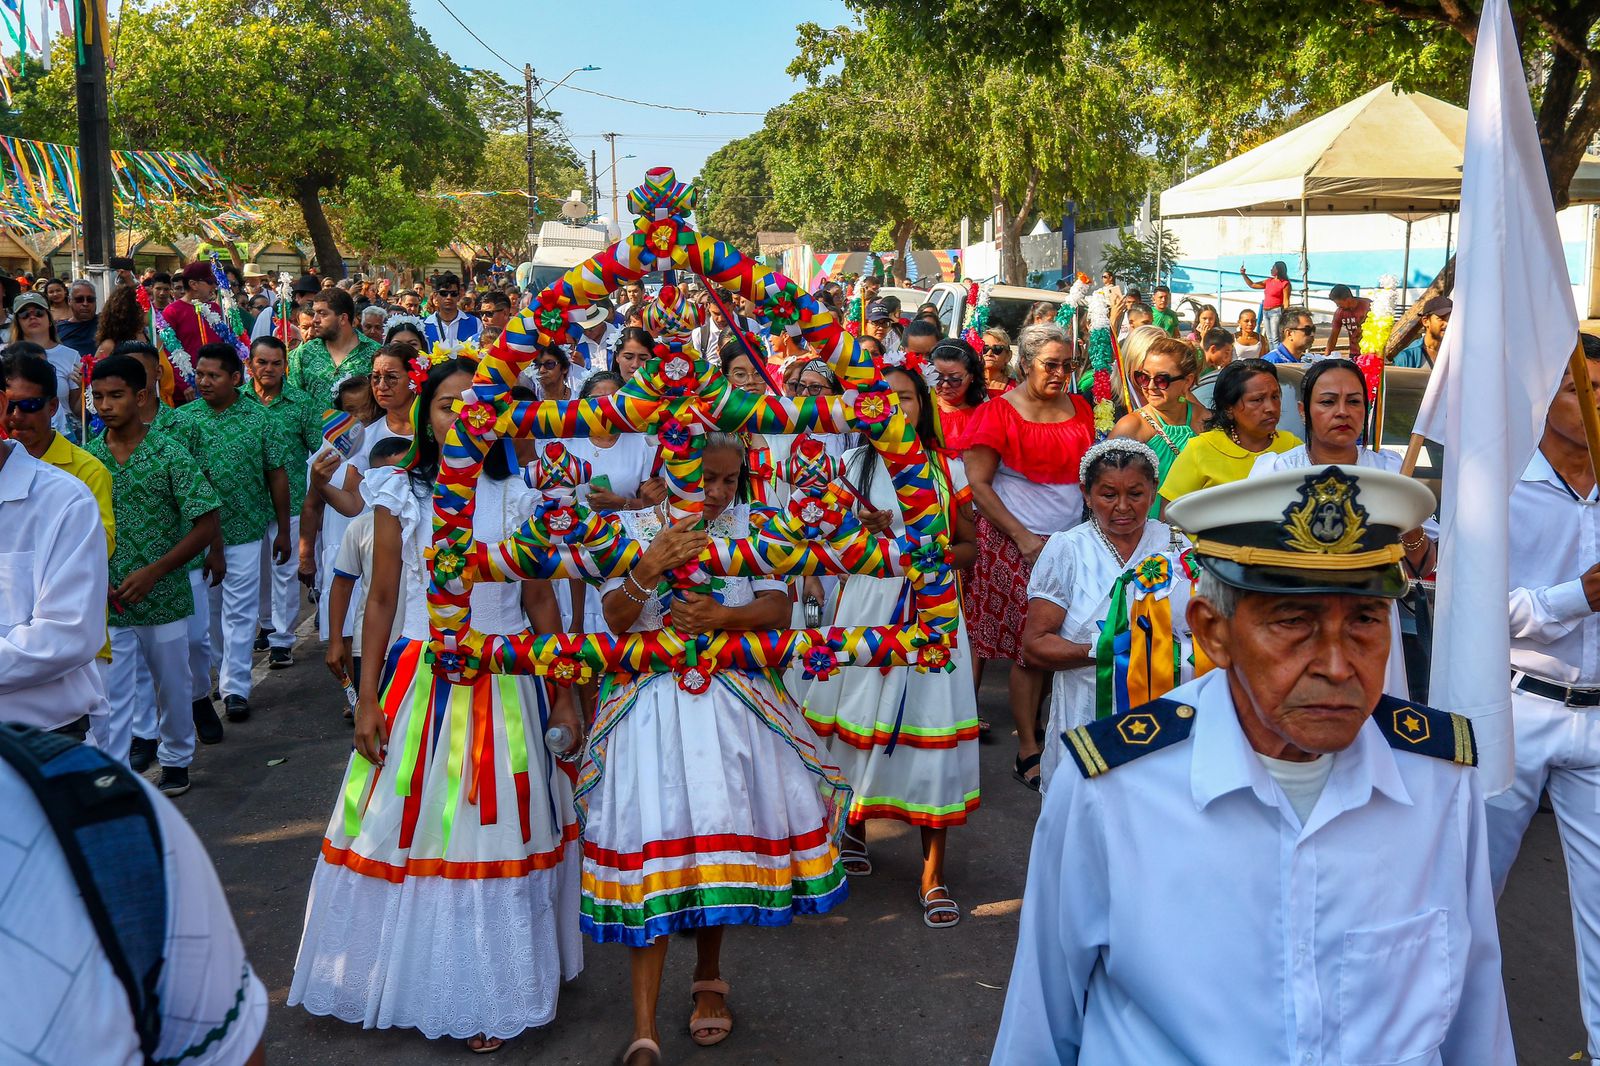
(83, 299)
(30, 310)
(451, 293)
(30, 406)
(1160, 381)
(995, 349)
(950, 381)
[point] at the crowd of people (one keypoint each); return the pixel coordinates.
(175, 493)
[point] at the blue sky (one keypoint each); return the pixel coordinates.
(739, 55)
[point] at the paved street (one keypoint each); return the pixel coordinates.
(868, 984)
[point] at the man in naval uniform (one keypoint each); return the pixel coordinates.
(1277, 863)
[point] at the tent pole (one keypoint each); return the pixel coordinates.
(1305, 260)
(1405, 270)
(1449, 221)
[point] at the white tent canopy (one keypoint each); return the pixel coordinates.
(1385, 152)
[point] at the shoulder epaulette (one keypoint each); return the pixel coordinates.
(1413, 727)
(1109, 742)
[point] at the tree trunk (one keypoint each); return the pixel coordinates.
(1405, 330)
(307, 194)
(1011, 258)
(901, 234)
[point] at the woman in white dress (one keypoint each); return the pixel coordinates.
(906, 741)
(445, 899)
(1070, 591)
(704, 802)
(1333, 407)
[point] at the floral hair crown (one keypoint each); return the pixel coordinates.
(910, 361)
(404, 320)
(1116, 445)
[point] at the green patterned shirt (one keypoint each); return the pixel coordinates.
(298, 421)
(311, 368)
(234, 449)
(156, 495)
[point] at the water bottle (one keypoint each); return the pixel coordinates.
(560, 741)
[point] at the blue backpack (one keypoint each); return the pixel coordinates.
(107, 829)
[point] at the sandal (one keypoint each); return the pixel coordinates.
(644, 1043)
(719, 1027)
(984, 728)
(1021, 768)
(486, 1044)
(932, 907)
(854, 852)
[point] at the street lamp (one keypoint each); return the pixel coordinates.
(533, 198)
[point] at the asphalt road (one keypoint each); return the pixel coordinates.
(867, 984)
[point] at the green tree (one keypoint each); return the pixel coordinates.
(1134, 261)
(388, 223)
(736, 194)
(500, 223)
(292, 99)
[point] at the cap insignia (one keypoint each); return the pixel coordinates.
(1327, 520)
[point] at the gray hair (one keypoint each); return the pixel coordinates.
(1032, 340)
(373, 311)
(1223, 597)
(83, 283)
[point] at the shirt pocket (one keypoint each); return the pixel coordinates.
(16, 588)
(1397, 991)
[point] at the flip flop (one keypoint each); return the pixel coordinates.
(1021, 768)
(931, 907)
(644, 1043)
(720, 1027)
(487, 1045)
(854, 852)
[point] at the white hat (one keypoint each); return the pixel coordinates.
(1306, 530)
(253, 271)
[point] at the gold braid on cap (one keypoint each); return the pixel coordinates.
(1247, 556)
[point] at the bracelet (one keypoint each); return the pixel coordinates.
(631, 597)
(629, 579)
(1422, 538)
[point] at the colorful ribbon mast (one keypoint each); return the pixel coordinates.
(681, 397)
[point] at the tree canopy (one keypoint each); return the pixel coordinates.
(293, 100)
(736, 194)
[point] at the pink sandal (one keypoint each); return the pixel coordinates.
(719, 1027)
(644, 1043)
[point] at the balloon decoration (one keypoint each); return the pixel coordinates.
(680, 397)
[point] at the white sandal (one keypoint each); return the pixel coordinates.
(854, 852)
(931, 907)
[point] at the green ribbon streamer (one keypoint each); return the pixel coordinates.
(1105, 649)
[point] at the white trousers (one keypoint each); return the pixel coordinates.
(234, 606)
(199, 629)
(163, 653)
(280, 586)
(1558, 751)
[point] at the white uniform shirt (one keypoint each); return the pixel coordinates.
(1555, 537)
(53, 585)
(63, 1004)
(1178, 912)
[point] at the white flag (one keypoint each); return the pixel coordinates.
(1511, 332)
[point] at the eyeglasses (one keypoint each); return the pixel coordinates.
(741, 377)
(951, 381)
(995, 349)
(386, 379)
(1055, 370)
(1160, 381)
(814, 389)
(1299, 329)
(83, 299)
(30, 406)
(549, 365)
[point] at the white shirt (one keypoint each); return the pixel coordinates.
(627, 462)
(63, 1004)
(53, 584)
(354, 561)
(64, 360)
(1555, 537)
(1177, 912)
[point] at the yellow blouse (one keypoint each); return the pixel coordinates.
(1212, 458)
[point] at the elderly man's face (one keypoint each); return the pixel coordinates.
(1305, 671)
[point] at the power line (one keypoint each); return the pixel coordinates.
(509, 65)
(662, 107)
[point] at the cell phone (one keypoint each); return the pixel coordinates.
(601, 482)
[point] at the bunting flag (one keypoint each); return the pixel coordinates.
(39, 187)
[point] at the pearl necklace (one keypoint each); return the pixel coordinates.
(1110, 547)
(1233, 435)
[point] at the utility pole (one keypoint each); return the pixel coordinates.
(94, 142)
(533, 200)
(594, 183)
(611, 138)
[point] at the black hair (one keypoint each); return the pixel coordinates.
(425, 470)
(496, 298)
(446, 280)
(159, 277)
(338, 301)
(892, 305)
(927, 428)
(1314, 374)
(559, 353)
(1114, 459)
(1161, 288)
(349, 385)
(961, 351)
(1280, 270)
(522, 394)
(731, 349)
(1591, 346)
(388, 448)
(404, 351)
(831, 296)
(921, 327)
(723, 439)
(1216, 337)
(599, 377)
(407, 327)
(1230, 386)
(137, 349)
(1340, 292)
(224, 353)
(636, 333)
(270, 341)
(927, 309)
(126, 367)
(26, 361)
(863, 339)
